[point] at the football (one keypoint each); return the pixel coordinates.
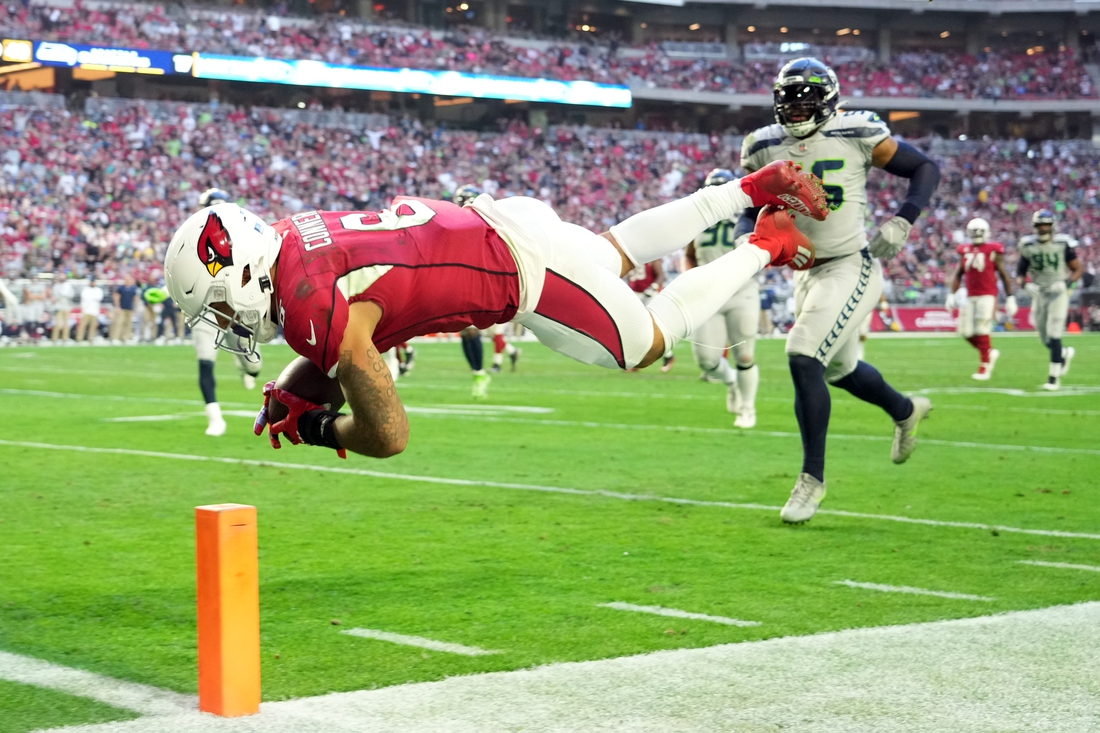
(304, 379)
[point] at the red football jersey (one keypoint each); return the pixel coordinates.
(432, 267)
(978, 268)
(640, 278)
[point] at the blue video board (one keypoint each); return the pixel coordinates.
(316, 74)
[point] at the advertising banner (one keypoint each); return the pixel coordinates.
(912, 318)
(314, 73)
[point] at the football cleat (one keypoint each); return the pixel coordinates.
(1053, 384)
(216, 428)
(480, 390)
(905, 431)
(495, 369)
(668, 362)
(806, 497)
(776, 234)
(514, 357)
(746, 419)
(1067, 357)
(985, 371)
(249, 381)
(783, 184)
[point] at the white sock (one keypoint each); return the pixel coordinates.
(1055, 369)
(509, 349)
(651, 234)
(214, 412)
(498, 358)
(748, 380)
(689, 300)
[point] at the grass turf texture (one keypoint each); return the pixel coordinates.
(99, 558)
(26, 708)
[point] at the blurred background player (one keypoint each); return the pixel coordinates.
(980, 262)
(647, 280)
(62, 300)
(734, 325)
(840, 290)
(204, 337)
(1051, 260)
(472, 348)
(865, 327)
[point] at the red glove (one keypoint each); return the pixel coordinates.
(296, 406)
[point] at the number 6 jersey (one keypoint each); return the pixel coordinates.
(430, 265)
(839, 153)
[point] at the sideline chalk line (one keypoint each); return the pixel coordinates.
(913, 591)
(420, 641)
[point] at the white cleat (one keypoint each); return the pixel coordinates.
(1067, 354)
(747, 419)
(1053, 385)
(249, 381)
(733, 400)
(905, 432)
(216, 428)
(985, 371)
(806, 497)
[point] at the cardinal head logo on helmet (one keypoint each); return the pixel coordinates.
(215, 250)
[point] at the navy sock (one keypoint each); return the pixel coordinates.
(474, 351)
(206, 381)
(1056, 354)
(867, 384)
(812, 406)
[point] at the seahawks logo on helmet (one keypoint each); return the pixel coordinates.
(718, 176)
(805, 96)
(215, 249)
(465, 194)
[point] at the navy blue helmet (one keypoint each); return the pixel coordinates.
(465, 194)
(718, 176)
(211, 196)
(805, 96)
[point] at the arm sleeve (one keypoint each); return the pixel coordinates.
(747, 223)
(1071, 253)
(923, 175)
(1021, 266)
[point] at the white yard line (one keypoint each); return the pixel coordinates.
(143, 699)
(1025, 670)
(913, 591)
(110, 398)
(420, 641)
(1063, 565)
(675, 613)
(774, 434)
(534, 487)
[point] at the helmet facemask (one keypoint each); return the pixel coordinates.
(978, 231)
(805, 96)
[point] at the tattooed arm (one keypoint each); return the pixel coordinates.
(377, 425)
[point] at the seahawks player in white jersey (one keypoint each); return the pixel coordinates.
(734, 325)
(203, 336)
(1051, 260)
(840, 290)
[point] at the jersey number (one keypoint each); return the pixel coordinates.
(719, 234)
(1046, 261)
(835, 193)
(405, 215)
(974, 261)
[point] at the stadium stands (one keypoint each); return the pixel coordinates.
(99, 191)
(1055, 74)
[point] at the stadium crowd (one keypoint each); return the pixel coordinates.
(97, 194)
(993, 75)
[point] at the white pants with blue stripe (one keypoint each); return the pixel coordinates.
(831, 301)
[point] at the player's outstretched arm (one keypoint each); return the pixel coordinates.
(377, 425)
(903, 160)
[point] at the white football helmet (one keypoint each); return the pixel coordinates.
(223, 255)
(978, 231)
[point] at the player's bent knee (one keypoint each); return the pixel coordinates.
(627, 264)
(656, 351)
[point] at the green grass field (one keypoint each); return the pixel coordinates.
(98, 568)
